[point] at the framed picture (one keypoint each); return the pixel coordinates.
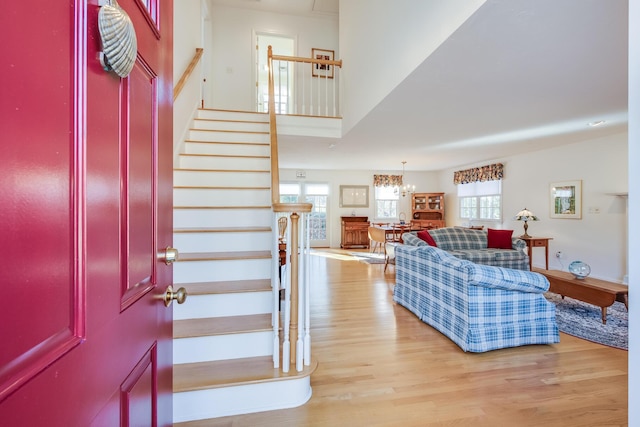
(322, 70)
(566, 199)
(354, 196)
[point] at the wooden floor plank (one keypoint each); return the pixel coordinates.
(381, 366)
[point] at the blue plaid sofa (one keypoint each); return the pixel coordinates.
(479, 307)
(465, 243)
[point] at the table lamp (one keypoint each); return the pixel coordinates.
(525, 215)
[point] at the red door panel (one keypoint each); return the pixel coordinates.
(86, 207)
(38, 203)
(139, 155)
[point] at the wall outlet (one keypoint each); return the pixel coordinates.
(559, 254)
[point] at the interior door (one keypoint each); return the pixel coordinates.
(86, 209)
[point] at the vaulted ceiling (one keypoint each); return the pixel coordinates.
(518, 76)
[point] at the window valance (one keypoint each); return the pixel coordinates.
(387, 180)
(492, 172)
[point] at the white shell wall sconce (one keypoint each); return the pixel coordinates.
(118, 37)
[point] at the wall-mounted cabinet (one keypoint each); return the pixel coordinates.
(427, 210)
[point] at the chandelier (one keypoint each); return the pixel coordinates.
(407, 188)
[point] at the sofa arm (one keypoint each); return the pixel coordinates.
(519, 244)
(412, 240)
(508, 279)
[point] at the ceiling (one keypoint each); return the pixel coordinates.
(516, 77)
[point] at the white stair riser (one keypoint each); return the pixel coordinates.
(245, 126)
(221, 178)
(222, 347)
(222, 217)
(224, 163)
(220, 305)
(220, 197)
(220, 136)
(205, 271)
(223, 241)
(243, 399)
(227, 149)
(232, 115)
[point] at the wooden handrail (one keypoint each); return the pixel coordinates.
(337, 63)
(275, 171)
(187, 73)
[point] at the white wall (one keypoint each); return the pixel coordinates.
(599, 239)
(187, 37)
(231, 80)
(187, 34)
(373, 45)
(424, 182)
(634, 209)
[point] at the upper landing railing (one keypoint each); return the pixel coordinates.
(305, 86)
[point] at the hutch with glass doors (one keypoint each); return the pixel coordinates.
(427, 210)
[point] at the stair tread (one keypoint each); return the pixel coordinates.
(242, 156)
(195, 141)
(233, 286)
(232, 121)
(220, 229)
(189, 328)
(205, 256)
(222, 207)
(224, 373)
(253, 132)
(226, 110)
(221, 170)
(211, 187)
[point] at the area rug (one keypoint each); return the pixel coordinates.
(584, 321)
(368, 257)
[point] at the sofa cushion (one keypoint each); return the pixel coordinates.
(499, 239)
(451, 238)
(424, 235)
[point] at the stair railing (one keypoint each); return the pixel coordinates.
(291, 283)
(305, 86)
(187, 97)
(291, 314)
(187, 73)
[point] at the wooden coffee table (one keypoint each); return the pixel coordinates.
(593, 291)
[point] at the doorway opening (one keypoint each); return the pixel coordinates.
(283, 72)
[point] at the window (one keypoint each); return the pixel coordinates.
(289, 192)
(318, 195)
(387, 202)
(481, 200)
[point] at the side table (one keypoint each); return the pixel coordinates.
(538, 242)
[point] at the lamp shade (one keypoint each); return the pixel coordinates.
(525, 215)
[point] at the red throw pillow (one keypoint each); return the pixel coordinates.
(499, 239)
(424, 235)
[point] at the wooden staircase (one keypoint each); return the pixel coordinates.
(223, 333)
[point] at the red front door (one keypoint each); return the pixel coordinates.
(85, 210)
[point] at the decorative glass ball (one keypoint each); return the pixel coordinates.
(579, 269)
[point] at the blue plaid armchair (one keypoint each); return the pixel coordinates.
(479, 307)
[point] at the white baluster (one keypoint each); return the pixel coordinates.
(301, 295)
(286, 276)
(335, 79)
(307, 293)
(275, 287)
(304, 79)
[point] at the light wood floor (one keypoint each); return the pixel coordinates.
(380, 366)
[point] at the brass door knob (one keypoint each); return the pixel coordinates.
(169, 256)
(180, 296)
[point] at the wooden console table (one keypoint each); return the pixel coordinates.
(593, 291)
(538, 242)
